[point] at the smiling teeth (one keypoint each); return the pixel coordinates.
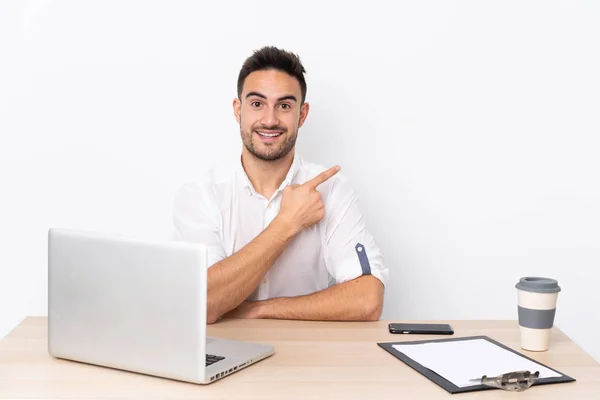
(269, 134)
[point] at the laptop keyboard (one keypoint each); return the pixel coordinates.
(211, 359)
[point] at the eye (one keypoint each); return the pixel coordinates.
(255, 104)
(285, 106)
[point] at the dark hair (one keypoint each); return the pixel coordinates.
(270, 57)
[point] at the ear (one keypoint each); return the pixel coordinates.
(303, 113)
(237, 109)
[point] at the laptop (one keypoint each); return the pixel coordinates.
(137, 305)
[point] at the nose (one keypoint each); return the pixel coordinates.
(270, 117)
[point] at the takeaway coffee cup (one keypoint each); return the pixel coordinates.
(537, 307)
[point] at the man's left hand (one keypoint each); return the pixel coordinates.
(246, 310)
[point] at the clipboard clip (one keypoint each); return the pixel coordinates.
(516, 381)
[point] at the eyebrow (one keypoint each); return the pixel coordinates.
(262, 96)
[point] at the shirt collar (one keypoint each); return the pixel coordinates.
(247, 185)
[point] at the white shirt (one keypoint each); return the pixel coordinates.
(223, 211)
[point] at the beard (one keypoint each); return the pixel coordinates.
(273, 151)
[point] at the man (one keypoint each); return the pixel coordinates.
(286, 238)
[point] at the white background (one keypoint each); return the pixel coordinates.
(469, 129)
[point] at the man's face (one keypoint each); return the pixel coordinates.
(269, 113)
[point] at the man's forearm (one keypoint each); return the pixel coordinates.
(360, 299)
(232, 280)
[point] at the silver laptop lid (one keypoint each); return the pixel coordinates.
(127, 303)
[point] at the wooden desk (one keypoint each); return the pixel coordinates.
(312, 360)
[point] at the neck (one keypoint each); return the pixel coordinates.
(266, 176)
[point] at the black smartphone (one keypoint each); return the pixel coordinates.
(421, 329)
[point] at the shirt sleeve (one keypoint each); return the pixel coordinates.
(350, 250)
(197, 219)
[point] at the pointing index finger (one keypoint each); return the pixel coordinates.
(322, 177)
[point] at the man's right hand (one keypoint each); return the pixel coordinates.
(301, 205)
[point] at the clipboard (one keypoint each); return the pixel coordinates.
(451, 387)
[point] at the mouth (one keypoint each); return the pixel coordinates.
(269, 136)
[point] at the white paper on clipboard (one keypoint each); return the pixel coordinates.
(463, 360)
